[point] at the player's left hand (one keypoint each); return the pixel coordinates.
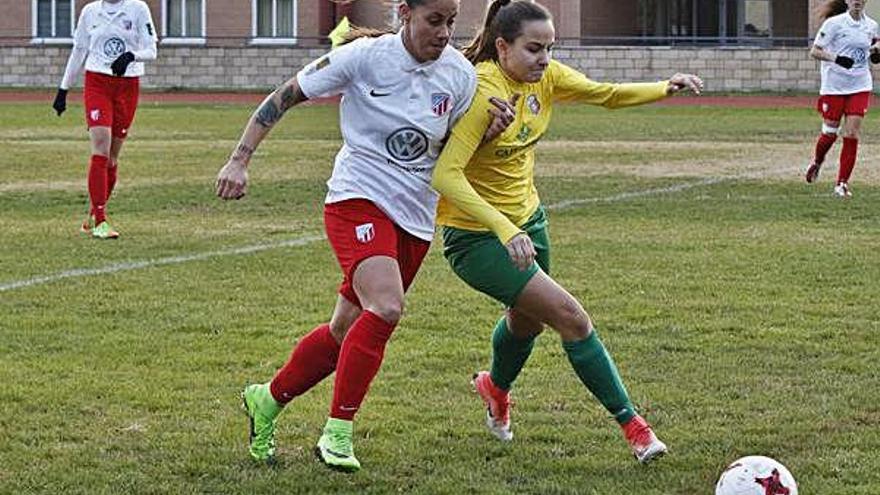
(232, 180)
(120, 65)
(503, 114)
(681, 82)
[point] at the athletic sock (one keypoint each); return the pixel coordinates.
(823, 144)
(359, 360)
(509, 355)
(597, 371)
(847, 159)
(312, 360)
(98, 187)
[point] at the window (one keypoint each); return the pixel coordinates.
(183, 21)
(701, 22)
(274, 21)
(756, 18)
(53, 21)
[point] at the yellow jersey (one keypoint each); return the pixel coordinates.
(491, 186)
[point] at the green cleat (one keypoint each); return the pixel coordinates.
(262, 411)
(334, 447)
(104, 231)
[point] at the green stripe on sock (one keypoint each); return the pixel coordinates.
(597, 371)
(509, 355)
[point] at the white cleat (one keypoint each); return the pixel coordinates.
(841, 190)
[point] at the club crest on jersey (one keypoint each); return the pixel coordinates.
(365, 233)
(114, 47)
(534, 104)
(440, 103)
(126, 24)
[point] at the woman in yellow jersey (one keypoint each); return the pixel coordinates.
(494, 228)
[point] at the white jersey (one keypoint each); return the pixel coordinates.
(107, 30)
(843, 35)
(395, 115)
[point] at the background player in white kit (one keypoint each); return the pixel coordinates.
(401, 94)
(113, 38)
(846, 41)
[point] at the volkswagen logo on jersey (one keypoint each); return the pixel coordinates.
(114, 47)
(407, 144)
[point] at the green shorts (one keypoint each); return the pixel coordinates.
(482, 261)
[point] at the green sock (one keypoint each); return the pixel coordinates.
(597, 371)
(509, 355)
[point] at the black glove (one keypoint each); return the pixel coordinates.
(60, 103)
(875, 58)
(120, 65)
(844, 61)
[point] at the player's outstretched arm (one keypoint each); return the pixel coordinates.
(232, 180)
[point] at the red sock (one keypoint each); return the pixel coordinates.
(98, 187)
(823, 144)
(847, 159)
(359, 361)
(312, 360)
(112, 168)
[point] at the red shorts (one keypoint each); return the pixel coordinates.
(358, 229)
(834, 107)
(111, 102)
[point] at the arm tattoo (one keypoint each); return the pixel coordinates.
(242, 153)
(268, 113)
(288, 98)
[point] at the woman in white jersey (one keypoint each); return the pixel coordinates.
(113, 38)
(401, 94)
(846, 41)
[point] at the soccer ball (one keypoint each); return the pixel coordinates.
(756, 475)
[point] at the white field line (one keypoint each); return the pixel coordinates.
(302, 241)
(172, 260)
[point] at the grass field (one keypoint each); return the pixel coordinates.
(739, 302)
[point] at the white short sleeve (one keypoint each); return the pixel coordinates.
(826, 33)
(330, 74)
(463, 104)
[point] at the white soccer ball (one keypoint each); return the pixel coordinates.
(756, 475)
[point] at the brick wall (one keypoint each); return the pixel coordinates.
(726, 69)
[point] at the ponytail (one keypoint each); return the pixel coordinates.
(482, 47)
(831, 8)
(504, 19)
(357, 32)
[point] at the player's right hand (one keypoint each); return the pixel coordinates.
(521, 251)
(60, 103)
(844, 61)
(503, 114)
(232, 180)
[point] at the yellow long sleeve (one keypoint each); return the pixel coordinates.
(449, 174)
(571, 85)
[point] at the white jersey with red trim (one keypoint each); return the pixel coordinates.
(843, 35)
(395, 116)
(107, 30)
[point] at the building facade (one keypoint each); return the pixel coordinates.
(751, 44)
